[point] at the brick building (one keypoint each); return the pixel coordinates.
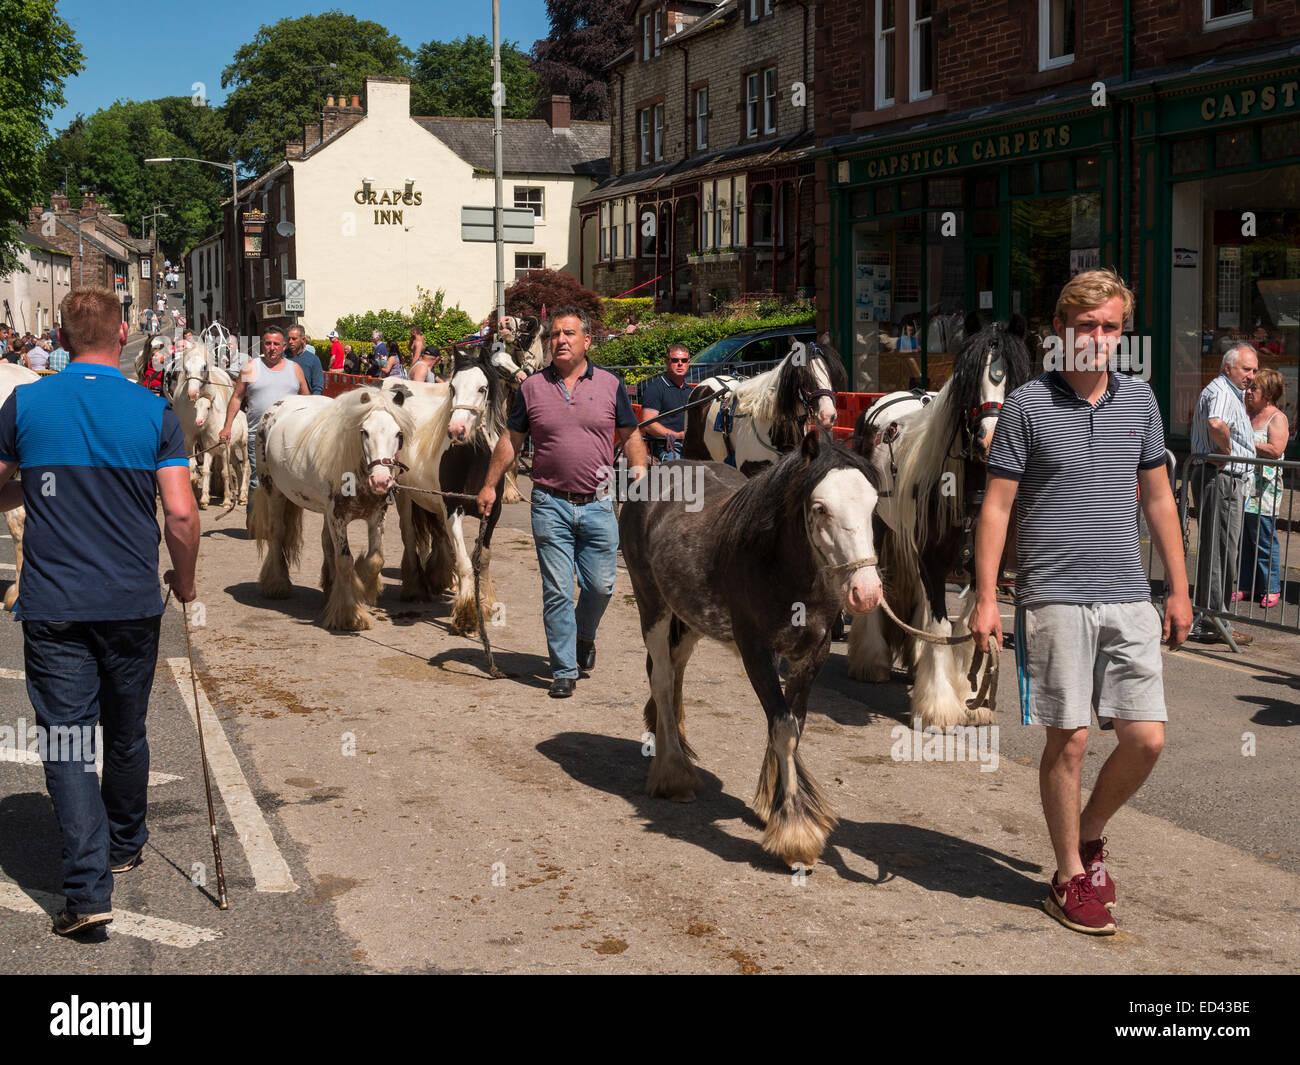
(709, 191)
(101, 247)
(974, 155)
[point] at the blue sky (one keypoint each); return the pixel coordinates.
(141, 51)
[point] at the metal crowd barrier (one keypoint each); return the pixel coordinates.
(1230, 585)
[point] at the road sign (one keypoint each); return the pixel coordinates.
(476, 224)
(295, 296)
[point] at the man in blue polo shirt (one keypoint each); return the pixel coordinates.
(668, 392)
(92, 447)
(1070, 452)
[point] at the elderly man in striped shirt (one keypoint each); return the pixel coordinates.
(1221, 426)
(1070, 452)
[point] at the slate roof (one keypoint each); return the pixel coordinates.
(528, 145)
(34, 240)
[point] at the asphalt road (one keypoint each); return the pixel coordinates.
(384, 807)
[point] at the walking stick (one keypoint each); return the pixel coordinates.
(203, 754)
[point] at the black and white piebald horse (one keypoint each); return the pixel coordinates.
(766, 564)
(752, 423)
(930, 456)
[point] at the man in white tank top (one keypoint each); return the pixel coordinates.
(263, 381)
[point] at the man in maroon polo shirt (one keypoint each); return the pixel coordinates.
(572, 410)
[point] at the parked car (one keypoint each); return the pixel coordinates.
(746, 354)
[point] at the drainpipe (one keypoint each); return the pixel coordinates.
(804, 5)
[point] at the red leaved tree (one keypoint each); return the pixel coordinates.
(586, 35)
(550, 289)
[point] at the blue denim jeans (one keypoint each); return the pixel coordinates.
(1262, 576)
(79, 674)
(573, 539)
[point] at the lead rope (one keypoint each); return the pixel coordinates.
(492, 669)
(222, 901)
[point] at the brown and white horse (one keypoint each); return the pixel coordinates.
(337, 457)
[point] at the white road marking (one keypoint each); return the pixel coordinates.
(9, 567)
(270, 870)
(12, 674)
(13, 754)
(156, 929)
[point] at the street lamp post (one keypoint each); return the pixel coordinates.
(234, 210)
(154, 215)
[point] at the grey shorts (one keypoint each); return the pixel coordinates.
(1073, 660)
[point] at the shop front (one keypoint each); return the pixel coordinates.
(1219, 228)
(991, 217)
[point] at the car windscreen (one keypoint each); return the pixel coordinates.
(720, 350)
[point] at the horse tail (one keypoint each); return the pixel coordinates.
(259, 522)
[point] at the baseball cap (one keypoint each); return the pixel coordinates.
(333, 335)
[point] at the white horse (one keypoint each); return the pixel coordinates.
(523, 340)
(930, 455)
(198, 377)
(336, 457)
(427, 552)
(11, 376)
(751, 423)
(210, 416)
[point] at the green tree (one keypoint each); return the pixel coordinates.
(455, 78)
(106, 152)
(37, 52)
(279, 79)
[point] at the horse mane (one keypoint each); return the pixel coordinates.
(428, 440)
(333, 437)
(792, 379)
(751, 520)
(493, 421)
(927, 457)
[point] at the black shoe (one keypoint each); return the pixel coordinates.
(562, 687)
(125, 867)
(69, 924)
(586, 656)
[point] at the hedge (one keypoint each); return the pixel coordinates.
(617, 313)
(649, 347)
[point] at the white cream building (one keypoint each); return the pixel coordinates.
(29, 301)
(367, 210)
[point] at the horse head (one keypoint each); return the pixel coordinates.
(840, 497)
(194, 365)
(202, 408)
(475, 390)
(382, 436)
(807, 381)
(992, 363)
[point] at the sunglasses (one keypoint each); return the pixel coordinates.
(679, 360)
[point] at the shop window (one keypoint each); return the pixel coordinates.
(985, 193)
(860, 204)
(986, 224)
(1279, 140)
(1222, 13)
(943, 192)
(1232, 149)
(884, 199)
(1188, 157)
(1055, 33)
(1055, 176)
(884, 53)
(1087, 173)
(627, 239)
(909, 196)
(921, 65)
(1021, 180)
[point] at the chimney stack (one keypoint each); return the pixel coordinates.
(557, 111)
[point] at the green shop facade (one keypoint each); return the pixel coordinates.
(996, 213)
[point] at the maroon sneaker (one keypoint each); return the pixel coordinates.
(1093, 854)
(1075, 905)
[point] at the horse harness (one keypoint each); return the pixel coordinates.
(890, 433)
